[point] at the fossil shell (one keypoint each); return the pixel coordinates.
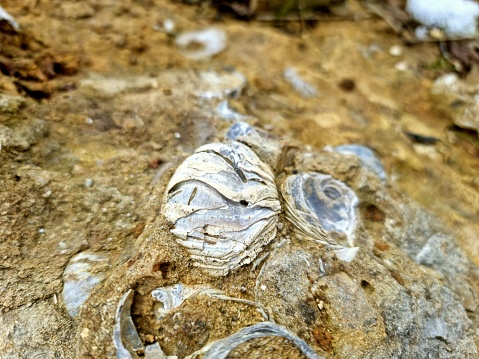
(220, 349)
(223, 203)
(323, 209)
(173, 296)
(82, 274)
(212, 41)
(126, 340)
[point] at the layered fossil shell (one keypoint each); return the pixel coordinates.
(221, 349)
(323, 209)
(223, 204)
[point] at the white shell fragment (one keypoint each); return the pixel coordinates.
(223, 204)
(202, 44)
(4, 15)
(82, 274)
(303, 87)
(366, 156)
(323, 209)
(173, 296)
(126, 340)
(225, 112)
(220, 349)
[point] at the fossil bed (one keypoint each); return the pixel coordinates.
(98, 107)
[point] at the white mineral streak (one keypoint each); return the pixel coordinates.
(201, 44)
(224, 206)
(458, 18)
(322, 209)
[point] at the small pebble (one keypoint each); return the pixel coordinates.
(177, 135)
(395, 51)
(89, 120)
(149, 338)
(88, 182)
(41, 230)
(402, 66)
(169, 26)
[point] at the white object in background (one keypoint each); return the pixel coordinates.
(202, 44)
(458, 18)
(7, 17)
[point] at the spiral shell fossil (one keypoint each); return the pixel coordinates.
(223, 204)
(323, 209)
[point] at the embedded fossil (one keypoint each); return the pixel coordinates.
(171, 297)
(322, 208)
(223, 204)
(125, 337)
(127, 340)
(220, 349)
(84, 271)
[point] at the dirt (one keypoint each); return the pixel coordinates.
(96, 112)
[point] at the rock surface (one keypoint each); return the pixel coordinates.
(86, 156)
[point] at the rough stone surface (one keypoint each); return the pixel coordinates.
(95, 92)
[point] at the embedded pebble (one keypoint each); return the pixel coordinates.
(402, 66)
(267, 147)
(366, 156)
(395, 50)
(217, 85)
